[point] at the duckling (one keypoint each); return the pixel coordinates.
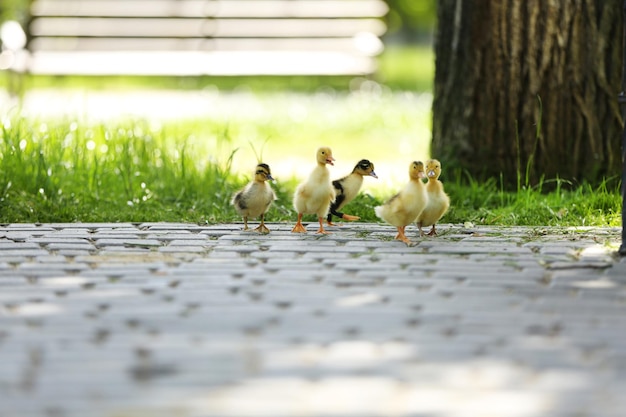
(255, 198)
(315, 194)
(347, 188)
(438, 200)
(403, 208)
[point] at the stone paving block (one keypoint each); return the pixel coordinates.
(66, 235)
(71, 247)
(8, 255)
(4, 266)
(72, 253)
(49, 268)
(189, 242)
(368, 244)
(21, 236)
(168, 227)
(56, 258)
(183, 249)
(131, 242)
(474, 249)
(11, 245)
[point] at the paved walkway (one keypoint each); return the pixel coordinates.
(138, 320)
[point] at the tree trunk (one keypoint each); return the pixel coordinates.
(527, 90)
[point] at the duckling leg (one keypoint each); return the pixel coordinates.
(321, 229)
(344, 216)
(432, 232)
(419, 226)
(245, 223)
(299, 228)
(262, 228)
(401, 236)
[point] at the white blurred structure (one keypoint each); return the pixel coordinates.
(12, 56)
(206, 37)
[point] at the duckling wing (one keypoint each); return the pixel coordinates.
(349, 186)
(340, 196)
(239, 200)
(399, 210)
(386, 211)
(300, 196)
(302, 191)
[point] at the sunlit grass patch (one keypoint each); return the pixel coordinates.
(391, 129)
(545, 204)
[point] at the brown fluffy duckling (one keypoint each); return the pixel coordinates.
(403, 208)
(438, 200)
(255, 198)
(315, 194)
(347, 188)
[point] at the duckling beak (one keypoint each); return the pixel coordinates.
(421, 174)
(330, 160)
(269, 177)
(373, 174)
(431, 173)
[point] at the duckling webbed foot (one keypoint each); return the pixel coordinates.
(402, 237)
(299, 228)
(262, 229)
(433, 231)
(321, 230)
(346, 217)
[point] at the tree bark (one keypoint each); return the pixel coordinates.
(527, 90)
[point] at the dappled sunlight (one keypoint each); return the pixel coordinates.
(447, 389)
(596, 251)
(30, 309)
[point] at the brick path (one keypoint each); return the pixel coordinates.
(126, 320)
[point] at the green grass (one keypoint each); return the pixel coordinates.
(550, 203)
(134, 172)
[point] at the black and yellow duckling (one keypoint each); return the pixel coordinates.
(347, 188)
(438, 200)
(315, 194)
(403, 208)
(255, 198)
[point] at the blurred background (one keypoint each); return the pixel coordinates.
(404, 63)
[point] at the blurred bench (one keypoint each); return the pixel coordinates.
(205, 37)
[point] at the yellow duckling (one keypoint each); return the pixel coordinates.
(315, 194)
(255, 198)
(347, 188)
(438, 200)
(403, 208)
